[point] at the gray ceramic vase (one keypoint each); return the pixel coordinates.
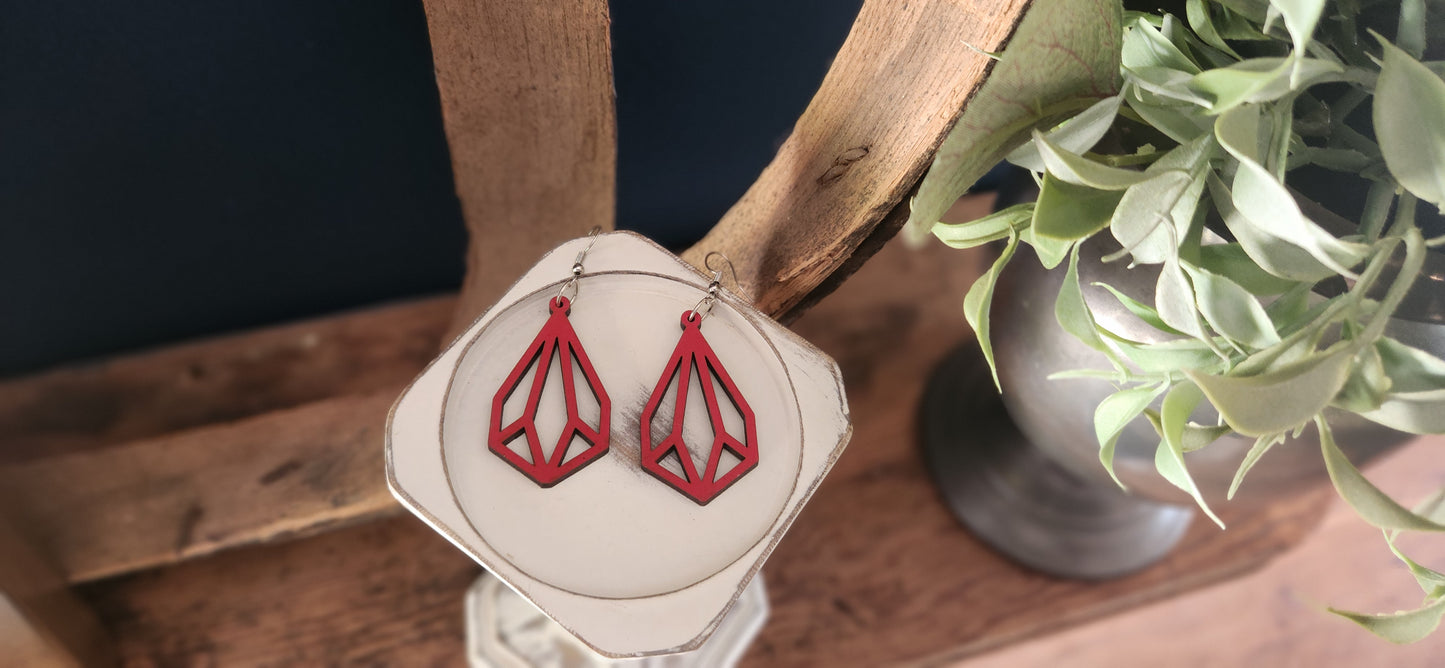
(1033, 486)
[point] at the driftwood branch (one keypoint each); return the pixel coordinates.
(527, 101)
(534, 165)
(837, 188)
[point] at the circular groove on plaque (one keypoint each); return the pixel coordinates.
(611, 530)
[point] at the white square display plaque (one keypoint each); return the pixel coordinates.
(619, 559)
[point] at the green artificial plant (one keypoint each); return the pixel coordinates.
(1215, 110)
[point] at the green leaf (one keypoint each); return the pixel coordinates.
(1409, 269)
(1240, 134)
(1180, 122)
(1409, 113)
(1165, 356)
(1155, 214)
(1241, 20)
(1280, 399)
(1367, 385)
(1410, 369)
(1178, 404)
(1273, 254)
(1141, 310)
(1167, 83)
(1072, 312)
(1371, 504)
(1266, 204)
(1174, 300)
(1233, 261)
(1261, 446)
(1076, 135)
(1260, 80)
(1114, 413)
(1378, 200)
(1230, 309)
(1080, 171)
(1141, 222)
(1338, 159)
(1429, 579)
(1088, 374)
(1197, 12)
(1410, 35)
(1067, 212)
(1401, 627)
(1412, 412)
(979, 299)
(1198, 436)
(1029, 87)
(992, 227)
(1300, 18)
(1050, 251)
(1145, 46)
(1288, 311)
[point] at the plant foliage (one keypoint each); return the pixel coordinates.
(1233, 96)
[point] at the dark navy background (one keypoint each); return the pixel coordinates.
(171, 169)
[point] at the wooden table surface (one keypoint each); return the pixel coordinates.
(874, 572)
(1276, 616)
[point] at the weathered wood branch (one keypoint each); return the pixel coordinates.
(823, 205)
(527, 101)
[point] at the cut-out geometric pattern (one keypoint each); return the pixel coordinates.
(733, 450)
(544, 457)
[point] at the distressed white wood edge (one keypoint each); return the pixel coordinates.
(487, 647)
(619, 628)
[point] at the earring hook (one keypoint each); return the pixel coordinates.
(577, 267)
(716, 273)
(698, 310)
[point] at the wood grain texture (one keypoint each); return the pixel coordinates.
(42, 623)
(527, 103)
(284, 474)
(874, 572)
(219, 380)
(1276, 617)
(385, 594)
(890, 97)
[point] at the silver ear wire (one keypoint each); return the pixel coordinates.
(577, 267)
(704, 305)
(717, 273)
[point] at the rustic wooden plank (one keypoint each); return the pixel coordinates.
(527, 102)
(42, 623)
(384, 594)
(283, 474)
(893, 92)
(218, 380)
(874, 572)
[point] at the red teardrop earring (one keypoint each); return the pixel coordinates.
(694, 367)
(555, 344)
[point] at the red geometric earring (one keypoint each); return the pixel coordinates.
(556, 343)
(694, 367)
